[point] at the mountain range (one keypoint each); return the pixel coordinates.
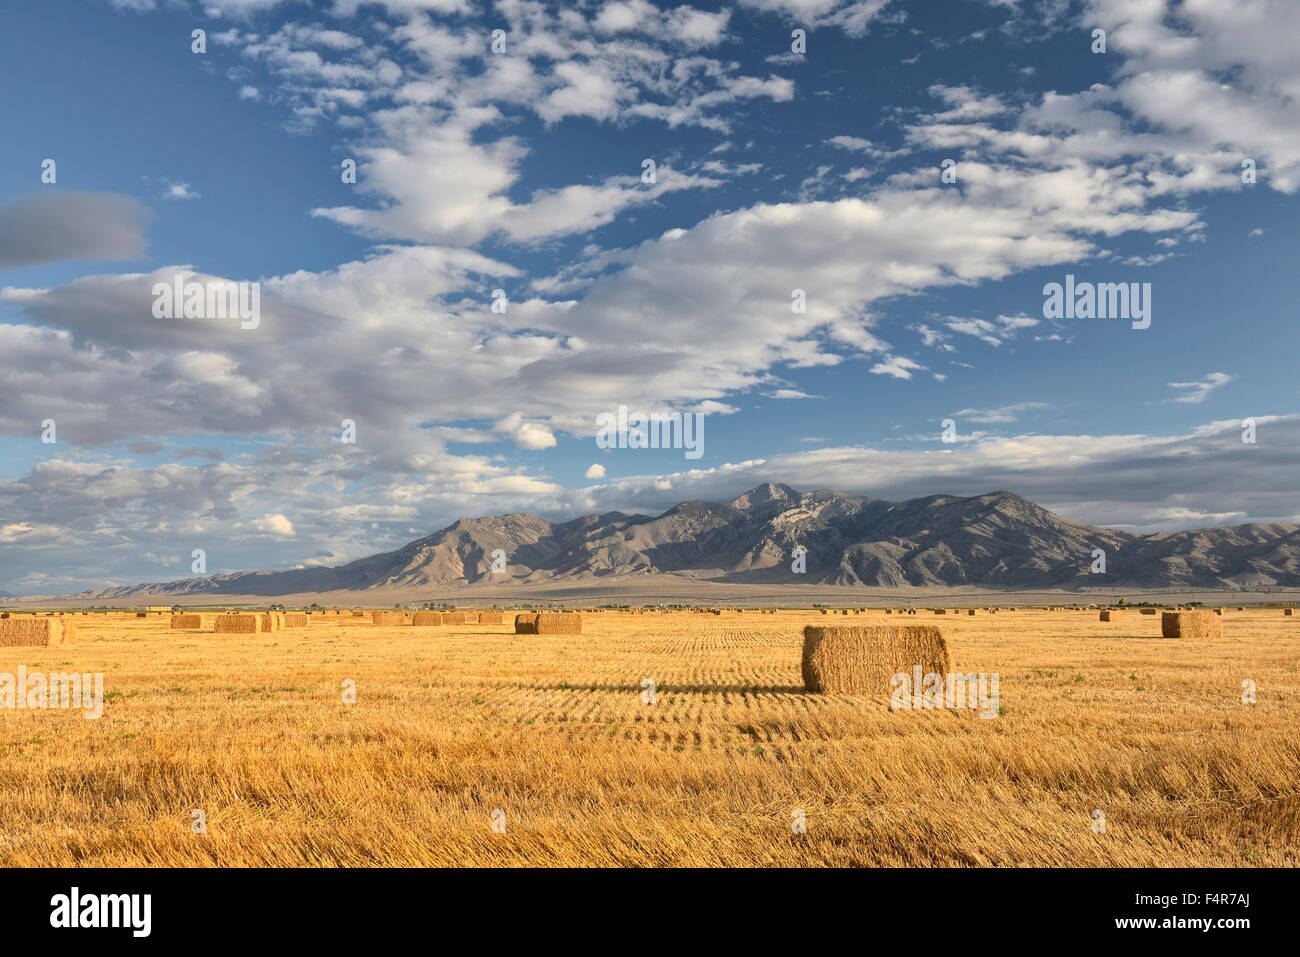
(997, 540)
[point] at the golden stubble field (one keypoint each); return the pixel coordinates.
(452, 723)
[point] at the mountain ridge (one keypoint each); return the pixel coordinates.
(998, 539)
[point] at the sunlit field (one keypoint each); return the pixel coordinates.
(452, 724)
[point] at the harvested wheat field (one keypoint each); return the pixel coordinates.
(451, 724)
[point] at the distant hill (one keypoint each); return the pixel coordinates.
(994, 540)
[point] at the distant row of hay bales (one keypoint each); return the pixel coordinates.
(863, 659)
(37, 631)
(548, 623)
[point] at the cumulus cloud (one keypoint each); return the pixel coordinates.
(531, 436)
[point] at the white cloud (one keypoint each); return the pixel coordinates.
(1001, 414)
(897, 366)
(180, 191)
(595, 471)
(1197, 392)
(531, 436)
(276, 525)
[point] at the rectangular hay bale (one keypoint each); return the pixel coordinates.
(1112, 616)
(1191, 624)
(863, 659)
(558, 623)
(37, 631)
(238, 624)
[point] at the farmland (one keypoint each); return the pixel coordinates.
(556, 740)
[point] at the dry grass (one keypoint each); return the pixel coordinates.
(449, 726)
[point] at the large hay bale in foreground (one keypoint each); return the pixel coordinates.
(238, 624)
(423, 618)
(558, 623)
(1112, 616)
(1191, 624)
(525, 624)
(1288, 611)
(389, 618)
(453, 618)
(187, 621)
(272, 621)
(295, 619)
(489, 618)
(863, 659)
(37, 631)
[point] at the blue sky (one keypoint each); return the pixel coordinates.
(522, 170)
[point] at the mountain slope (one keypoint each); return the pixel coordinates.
(993, 540)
